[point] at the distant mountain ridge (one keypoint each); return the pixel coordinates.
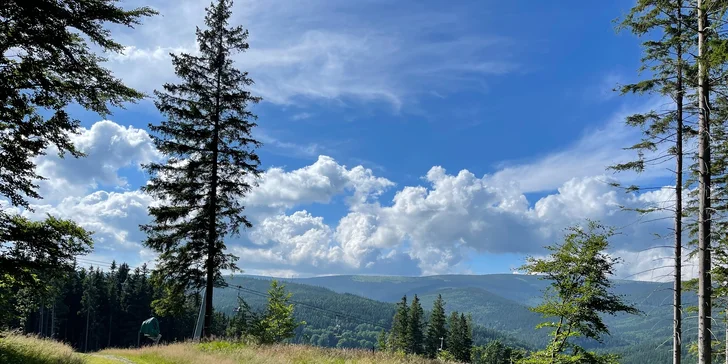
(499, 303)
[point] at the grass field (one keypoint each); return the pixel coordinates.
(30, 350)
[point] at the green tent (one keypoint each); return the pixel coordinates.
(150, 329)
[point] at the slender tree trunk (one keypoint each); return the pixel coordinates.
(704, 279)
(677, 288)
(108, 343)
(85, 345)
(53, 320)
(212, 228)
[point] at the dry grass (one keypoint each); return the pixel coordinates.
(32, 350)
(229, 353)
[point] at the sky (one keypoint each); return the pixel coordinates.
(400, 137)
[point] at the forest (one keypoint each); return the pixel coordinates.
(54, 58)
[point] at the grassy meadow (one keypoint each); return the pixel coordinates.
(18, 349)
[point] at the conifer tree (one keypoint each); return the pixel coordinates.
(455, 339)
(400, 326)
(466, 334)
(436, 330)
(415, 331)
(211, 162)
(278, 322)
(665, 130)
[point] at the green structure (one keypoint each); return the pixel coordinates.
(150, 329)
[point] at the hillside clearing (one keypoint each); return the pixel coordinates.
(230, 353)
(32, 350)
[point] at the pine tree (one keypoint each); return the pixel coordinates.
(415, 330)
(436, 330)
(400, 326)
(665, 57)
(466, 333)
(278, 322)
(455, 339)
(579, 294)
(382, 340)
(704, 266)
(211, 161)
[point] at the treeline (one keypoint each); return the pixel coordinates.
(449, 338)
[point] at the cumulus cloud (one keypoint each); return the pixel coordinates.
(431, 228)
(109, 147)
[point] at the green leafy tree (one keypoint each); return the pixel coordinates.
(46, 64)
(278, 322)
(415, 330)
(400, 326)
(38, 249)
(579, 293)
(436, 330)
(211, 161)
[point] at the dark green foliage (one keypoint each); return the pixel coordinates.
(399, 335)
(39, 250)
(415, 330)
(211, 161)
(242, 324)
(46, 64)
(277, 323)
(496, 353)
(436, 328)
(580, 291)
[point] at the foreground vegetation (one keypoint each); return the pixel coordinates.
(33, 350)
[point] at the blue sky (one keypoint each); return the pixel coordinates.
(405, 137)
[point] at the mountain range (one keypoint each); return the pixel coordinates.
(350, 310)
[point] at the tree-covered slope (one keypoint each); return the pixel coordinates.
(332, 319)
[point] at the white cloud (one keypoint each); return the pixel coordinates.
(109, 147)
(431, 228)
(318, 50)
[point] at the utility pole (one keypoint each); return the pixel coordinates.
(704, 279)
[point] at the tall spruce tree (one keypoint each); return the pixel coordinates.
(415, 331)
(466, 335)
(704, 263)
(665, 130)
(211, 161)
(455, 339)
(436, 330)
(400, 326)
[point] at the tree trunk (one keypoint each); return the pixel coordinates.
(212, 223)
(704, 279)
(85, 345)
(53, 320)
(677, 287)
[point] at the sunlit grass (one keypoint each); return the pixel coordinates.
(33, 350)
(229, 353)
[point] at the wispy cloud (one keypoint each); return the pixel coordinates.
(322, 50)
